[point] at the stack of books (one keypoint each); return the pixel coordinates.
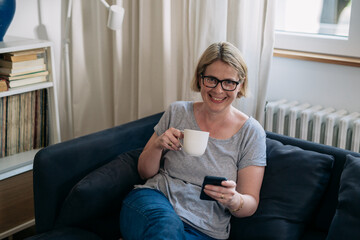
(24, 122)
(22, 68)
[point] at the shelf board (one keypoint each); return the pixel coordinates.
(17, 229)
(17, 163)
(27, 88)
(14, 44)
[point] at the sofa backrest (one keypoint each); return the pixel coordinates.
(57, 168)
(324, 213)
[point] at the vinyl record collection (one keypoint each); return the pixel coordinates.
(23, 122)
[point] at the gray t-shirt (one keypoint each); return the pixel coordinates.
(181, 175)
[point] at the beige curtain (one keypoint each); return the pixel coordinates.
(251, 28)
(138, 71)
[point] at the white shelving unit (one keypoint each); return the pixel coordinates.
(21, 162)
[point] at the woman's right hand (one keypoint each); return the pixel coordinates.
(170, 139)
(149, 160)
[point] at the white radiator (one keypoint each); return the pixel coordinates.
(315, 123)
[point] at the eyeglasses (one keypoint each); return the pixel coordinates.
(226, 84)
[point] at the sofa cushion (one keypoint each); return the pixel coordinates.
(294, 182)
(101, 192)
(346, 222)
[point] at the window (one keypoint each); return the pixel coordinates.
(319, 26)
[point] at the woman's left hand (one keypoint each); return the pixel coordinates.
(225, 194)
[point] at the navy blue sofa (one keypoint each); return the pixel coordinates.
(310, 191)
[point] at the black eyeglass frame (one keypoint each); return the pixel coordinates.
(219, 81)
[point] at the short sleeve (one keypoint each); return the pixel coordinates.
(177, 116)
(164, 122)
(253, 147)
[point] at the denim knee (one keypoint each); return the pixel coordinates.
(148, 214)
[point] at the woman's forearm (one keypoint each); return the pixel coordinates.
(245, 206)
(149, 163)
(149, 160)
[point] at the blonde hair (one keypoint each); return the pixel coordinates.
(227, 53)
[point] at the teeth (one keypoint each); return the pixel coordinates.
(217, 99)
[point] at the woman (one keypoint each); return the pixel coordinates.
(167, 206)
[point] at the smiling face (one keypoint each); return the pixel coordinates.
(216, 99)
(228, 54)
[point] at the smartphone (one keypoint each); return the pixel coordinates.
(211, 180)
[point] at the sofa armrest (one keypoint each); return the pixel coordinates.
(59, 167)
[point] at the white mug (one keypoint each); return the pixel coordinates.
(195, 142)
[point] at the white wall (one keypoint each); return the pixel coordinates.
(42, 19)
(329, 85)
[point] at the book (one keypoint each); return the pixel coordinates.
(29, 75)
(8, 64)
(28, 122)
(20, 58)
(27, 52)
(12, 127)
(3, 85)
(23, 55)
(3, 126)
(27, 81)
(21, 71)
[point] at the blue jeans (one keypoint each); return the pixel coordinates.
(148, 214)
